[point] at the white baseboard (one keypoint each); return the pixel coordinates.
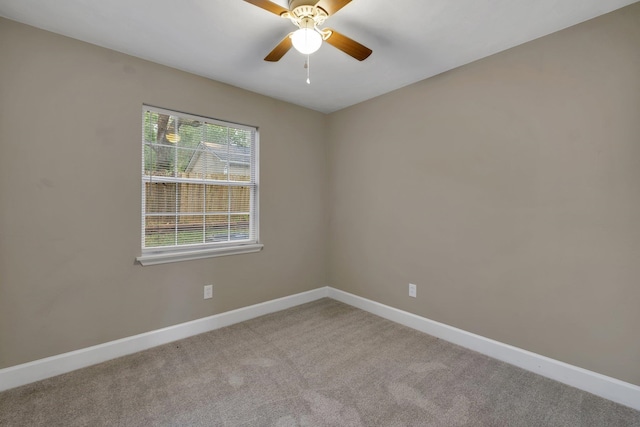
(610, 388)
(26, 373)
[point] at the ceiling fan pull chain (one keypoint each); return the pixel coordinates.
(307, 65)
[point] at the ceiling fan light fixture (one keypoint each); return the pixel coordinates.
(306, 40)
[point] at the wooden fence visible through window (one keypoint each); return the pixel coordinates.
(193, 205)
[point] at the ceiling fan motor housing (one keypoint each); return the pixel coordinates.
(304, 14)
(297, 3)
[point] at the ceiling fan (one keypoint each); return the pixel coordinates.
(308, 15)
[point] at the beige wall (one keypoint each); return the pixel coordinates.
(508, 190)
(70, 126)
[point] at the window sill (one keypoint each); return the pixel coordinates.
(163, 258)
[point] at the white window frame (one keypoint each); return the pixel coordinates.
(161, 255)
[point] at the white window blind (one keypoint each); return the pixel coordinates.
(199, 185)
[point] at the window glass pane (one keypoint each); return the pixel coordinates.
(214, 133)
(158, 160)
(217, 228)
(159, 231)
(240, 137)
(239, 163)
(150, 127)
(239, 155)
(216, 149)
(160, 197)
(188, 165)
(168, 129)
(191, 197)
(217, 198)
(212, 160)
(149, 160)
(190, 229)
(159, 150)
(190, 133)
(239, 227)
(240, 199)
(195, 167)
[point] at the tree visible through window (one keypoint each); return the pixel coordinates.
(199, 182)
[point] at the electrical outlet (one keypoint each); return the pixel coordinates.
(208, 291)
(412, 290)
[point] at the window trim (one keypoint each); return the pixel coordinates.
(162, 255)
(188, 255)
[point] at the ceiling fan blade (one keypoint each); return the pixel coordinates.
(347, 45)
(279, 51)
(268, 6)
(332, 6)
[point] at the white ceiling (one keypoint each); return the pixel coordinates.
(226, 40)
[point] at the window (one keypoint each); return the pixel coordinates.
(199, 187)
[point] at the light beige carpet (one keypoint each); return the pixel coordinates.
(320, 364)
